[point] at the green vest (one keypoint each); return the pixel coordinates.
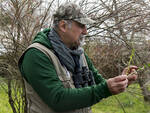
(35, 103)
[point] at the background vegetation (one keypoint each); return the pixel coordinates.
(132, 102)
(119, 37)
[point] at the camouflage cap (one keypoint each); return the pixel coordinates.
(71, 11)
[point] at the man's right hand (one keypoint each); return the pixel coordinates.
(117, 84)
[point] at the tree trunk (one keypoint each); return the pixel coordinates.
(11, 101)
(144, 87)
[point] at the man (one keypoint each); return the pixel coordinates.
(58, 75)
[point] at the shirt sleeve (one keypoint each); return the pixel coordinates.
(98, 77)
(40, 73)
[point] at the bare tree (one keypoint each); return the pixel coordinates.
(122, 26)
(21, 20)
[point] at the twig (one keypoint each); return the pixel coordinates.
(120, 104)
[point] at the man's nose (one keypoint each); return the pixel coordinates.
(84, 30)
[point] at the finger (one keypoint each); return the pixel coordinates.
(132, 77)
(122, 90)
(122, 84)
(120, 78)
(133, 67)
(133, 71)
(125, 71)
(129, 69)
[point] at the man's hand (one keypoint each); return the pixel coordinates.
(131, 78)
(117, 84)
(131, 72)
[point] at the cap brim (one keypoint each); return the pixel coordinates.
(85, 21)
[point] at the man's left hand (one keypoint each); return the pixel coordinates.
(131, 72)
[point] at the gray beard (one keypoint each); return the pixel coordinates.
(80, 44)
(82, 40)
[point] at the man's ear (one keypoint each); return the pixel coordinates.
(62, 26)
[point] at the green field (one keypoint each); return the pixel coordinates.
(131, 102)
(4, 105)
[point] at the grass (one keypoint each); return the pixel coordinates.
(4, 105)
(131, 100)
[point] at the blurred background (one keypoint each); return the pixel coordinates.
(119, 38)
